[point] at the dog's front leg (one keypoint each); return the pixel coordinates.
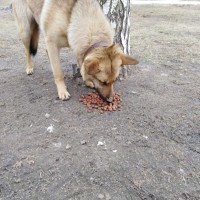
(53, 52)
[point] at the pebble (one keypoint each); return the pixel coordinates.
(108, 197)
(18, 164)
(100, 196)
(31, 162)
(58, 145)
(146, 137)
(133, 92)
(2, 104)
(91, 179)
(50, 129)
(47, 115)
(100, 143)
(163, 74)
(83, 142)
(68, 147)
(17, 180)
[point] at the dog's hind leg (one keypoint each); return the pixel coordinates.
(28, 31)
(30, 41)
(31, 48)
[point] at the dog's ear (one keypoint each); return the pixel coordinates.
(91, 66)
(128, 60)
(115, 49)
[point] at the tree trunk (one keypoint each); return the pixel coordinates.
(118, 12)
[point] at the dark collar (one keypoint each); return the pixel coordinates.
(94, 46)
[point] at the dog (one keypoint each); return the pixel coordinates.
(80, 25)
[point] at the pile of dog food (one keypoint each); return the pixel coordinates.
(94, 101)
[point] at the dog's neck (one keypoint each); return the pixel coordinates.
(94, 46)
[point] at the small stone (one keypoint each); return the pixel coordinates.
(18, 164)
(17, 180)
(83, 142)
(115, 151)
(146, 137)
(163, 74)
(2, 104)
(68, 147)
(31, 162)
(100, 196)
(91, 179)
(47, 115)
(58, 145)
(50, 129)
(108, 197)
(100, 143)
(133, 92)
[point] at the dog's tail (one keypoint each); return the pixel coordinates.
(34, 39)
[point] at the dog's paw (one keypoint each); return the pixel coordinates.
(29, 71)
(64, 95)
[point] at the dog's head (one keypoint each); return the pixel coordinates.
(101, 68)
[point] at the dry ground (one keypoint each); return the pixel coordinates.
(150, 149)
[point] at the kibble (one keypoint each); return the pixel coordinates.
(94, 101)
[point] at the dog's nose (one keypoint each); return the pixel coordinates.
(110, 99)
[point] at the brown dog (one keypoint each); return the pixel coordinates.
(79, 24)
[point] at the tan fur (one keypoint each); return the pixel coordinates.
(78, 24)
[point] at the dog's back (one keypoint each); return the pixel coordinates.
(88, 25)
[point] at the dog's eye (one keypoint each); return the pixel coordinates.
(105, 83)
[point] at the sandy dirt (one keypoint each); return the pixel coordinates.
(150, 150)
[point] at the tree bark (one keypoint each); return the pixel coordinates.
(118, 11)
